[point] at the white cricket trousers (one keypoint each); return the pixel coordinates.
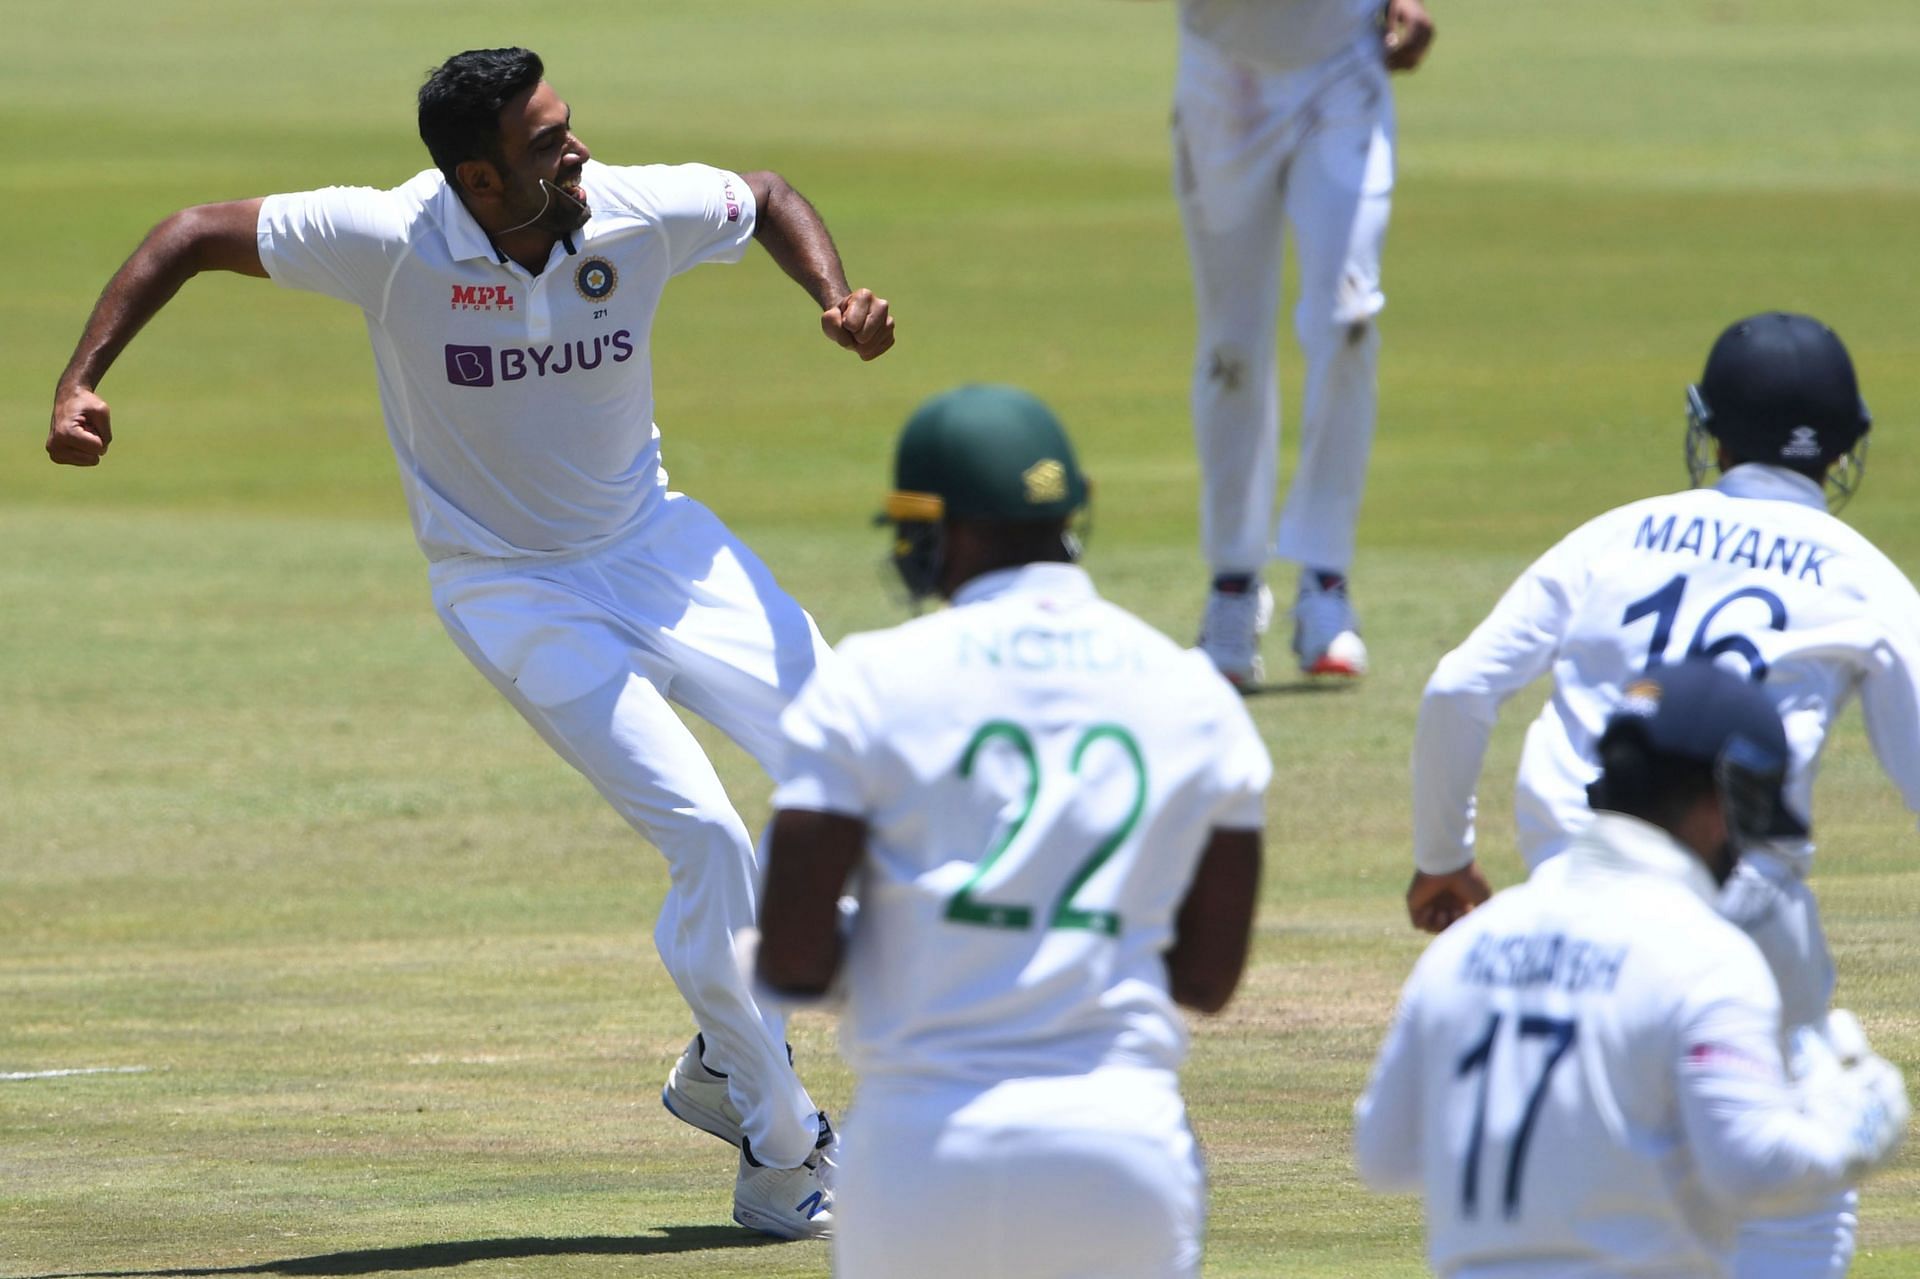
(1256, 152)
(591, 649)
(1079, 1177)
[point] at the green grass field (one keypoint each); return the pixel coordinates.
(384, 962)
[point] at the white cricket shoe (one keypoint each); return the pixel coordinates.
(789, 1203)
(1326, 635)
(1230, 632)
(699, 1096)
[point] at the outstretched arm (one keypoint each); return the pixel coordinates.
(208, 237)
(796, 238)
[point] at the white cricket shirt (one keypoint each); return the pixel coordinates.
(1282, 35)
(1753, 571)
(520, 406)
(1584, 1078)
(1039, 772)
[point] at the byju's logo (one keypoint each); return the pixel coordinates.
(469, 365)
(477, 365)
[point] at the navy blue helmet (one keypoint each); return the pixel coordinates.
(1694, 714)
(1779, 388)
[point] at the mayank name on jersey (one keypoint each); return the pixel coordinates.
(1032, 648)
(1543, 959)
(1734, 543)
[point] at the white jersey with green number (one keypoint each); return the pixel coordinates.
(1038, 771)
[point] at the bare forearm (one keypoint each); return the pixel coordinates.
(209, 237)
(809, 857)
(797, 240)
(173, 253)
(1215, 924)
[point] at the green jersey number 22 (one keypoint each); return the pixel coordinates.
(965, 908)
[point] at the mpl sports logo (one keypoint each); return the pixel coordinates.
(733, 202)
(481, 366)
(481, 297)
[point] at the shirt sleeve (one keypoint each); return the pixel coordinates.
(1756, 1149)
(339, 241)
(1387, 1120)
(704, 214)
(1243, 768)
(1514, 646)
(1890, 688)
(826, 748)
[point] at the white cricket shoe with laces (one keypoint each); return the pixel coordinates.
(1238, 614)
(789, 1203)
(1326, 635)
(698, 1096)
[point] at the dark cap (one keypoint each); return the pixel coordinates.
(1780, 388)
(985, 452)
(1697, 711)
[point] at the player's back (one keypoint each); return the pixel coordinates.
(1550, 1028)
(1754, 574)
(1043, 775)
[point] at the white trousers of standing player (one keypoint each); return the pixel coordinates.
(1771, 902)
(1078, 1177)
(1256, 152)
(592, 649)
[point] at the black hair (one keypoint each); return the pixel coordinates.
(1641, 782)
(461, 100)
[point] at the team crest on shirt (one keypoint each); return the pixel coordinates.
(596, 279)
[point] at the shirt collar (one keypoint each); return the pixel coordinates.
(1067, 583)
(1757, 479)
(465, 239)
(1618, 842)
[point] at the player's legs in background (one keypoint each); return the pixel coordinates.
(1083, 1177)
(1772, 904)
(1337, 197)
(1227, 161)
(539, 644)
(1236, 391)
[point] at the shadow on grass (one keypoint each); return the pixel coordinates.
(1304, 686)
(432, 1256)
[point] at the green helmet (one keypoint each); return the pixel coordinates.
(977, 452)
(988, 453)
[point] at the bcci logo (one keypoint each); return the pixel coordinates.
(1803, 443)
(595, 279)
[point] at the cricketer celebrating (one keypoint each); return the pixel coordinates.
(1753, 573)
(510, 293)
(1283, 117)
(1584, 1076)
(1050, 816)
